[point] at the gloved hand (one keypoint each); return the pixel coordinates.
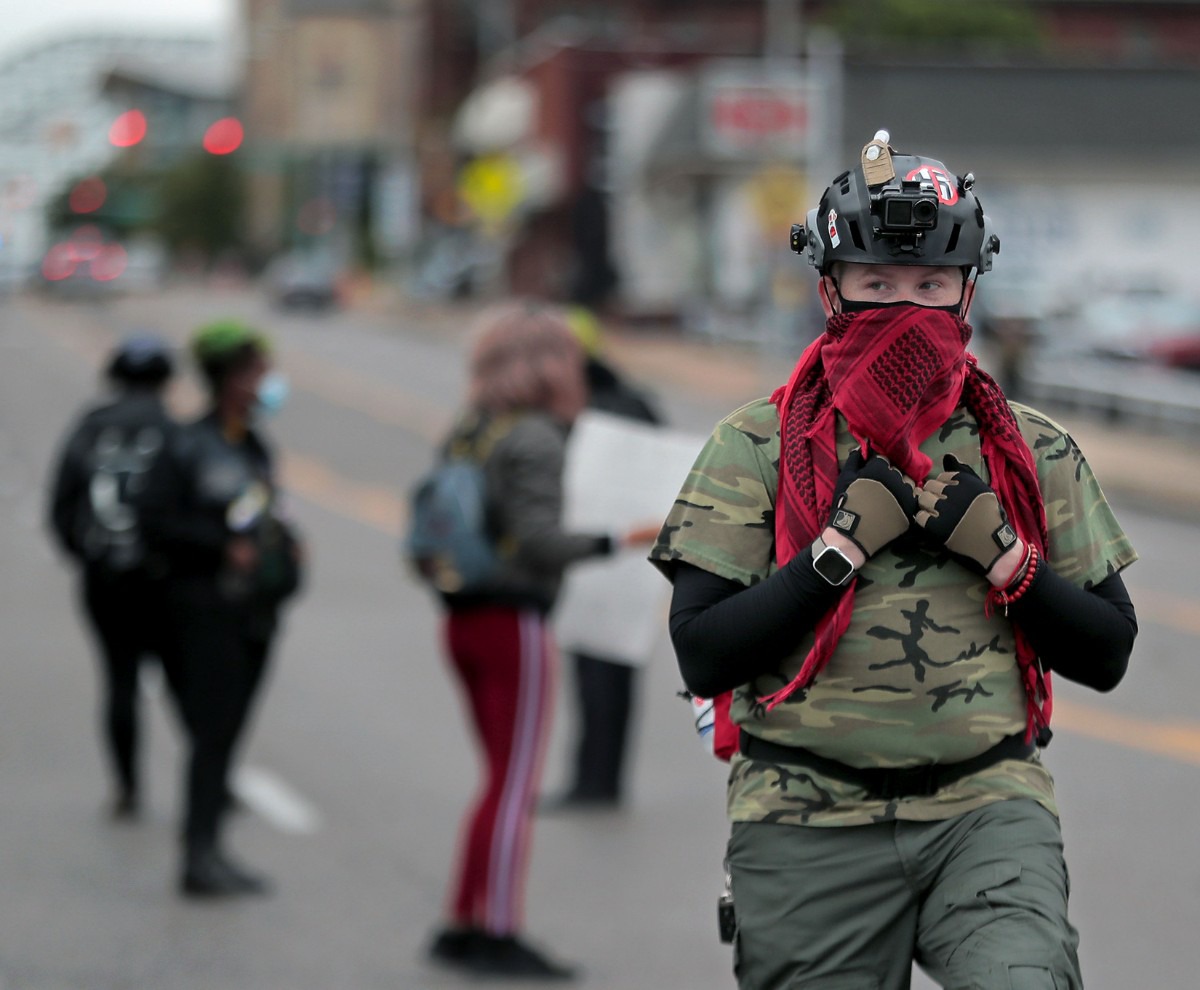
(960, 511)
(873, 502)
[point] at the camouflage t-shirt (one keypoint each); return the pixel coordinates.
(921, 675)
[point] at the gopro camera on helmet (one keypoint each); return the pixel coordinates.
(908, 209)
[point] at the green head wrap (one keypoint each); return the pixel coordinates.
(216, 342)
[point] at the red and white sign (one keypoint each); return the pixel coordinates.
(747, 113)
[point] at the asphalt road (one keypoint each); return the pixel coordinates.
(358, 766)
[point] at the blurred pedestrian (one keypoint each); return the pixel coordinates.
(211, 509)
(527, 386)
(103, 463)
(883, 563)
(604, 684)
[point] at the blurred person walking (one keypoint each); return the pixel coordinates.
(104, 462)
(211, 509)
(883, 563)
(604, 685)
(527, 385)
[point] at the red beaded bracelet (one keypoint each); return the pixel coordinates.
(1002, 597)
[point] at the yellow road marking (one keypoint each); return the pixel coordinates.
(1165, 609)
(1177, 740)
(315, 481)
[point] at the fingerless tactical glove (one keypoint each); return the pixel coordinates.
(873, 502)
(959, 510)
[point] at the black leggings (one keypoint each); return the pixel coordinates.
(223, 654)
(126, 617)
(605, 698)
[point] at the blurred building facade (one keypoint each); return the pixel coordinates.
(665, 147)
(331, 119)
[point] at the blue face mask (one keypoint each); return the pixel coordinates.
(271, 394)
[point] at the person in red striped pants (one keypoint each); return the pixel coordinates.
(526, 387)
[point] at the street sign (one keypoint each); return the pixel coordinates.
(749, 110)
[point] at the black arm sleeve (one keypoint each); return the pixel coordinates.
(726, 634)
(1084, 635)
(68, 487)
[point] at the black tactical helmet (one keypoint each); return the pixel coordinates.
(895, 209)
(141, 359)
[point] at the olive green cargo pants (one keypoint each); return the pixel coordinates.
(980, 902)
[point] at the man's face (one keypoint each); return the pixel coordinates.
(918, 284)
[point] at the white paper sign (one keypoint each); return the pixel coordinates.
(620, 474)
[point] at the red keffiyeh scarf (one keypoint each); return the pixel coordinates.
(896, 374)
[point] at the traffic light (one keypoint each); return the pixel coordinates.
(128, 129)
(224, 136)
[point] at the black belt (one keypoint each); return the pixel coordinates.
(887, 783)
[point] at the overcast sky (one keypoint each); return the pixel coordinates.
(26, 22)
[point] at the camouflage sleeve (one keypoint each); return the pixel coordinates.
(1087, 543)
(723, 519)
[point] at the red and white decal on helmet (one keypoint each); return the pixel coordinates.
(945, 184)
(833, 234)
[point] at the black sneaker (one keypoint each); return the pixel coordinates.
(494, 956)
(210, 874)
(454, 946)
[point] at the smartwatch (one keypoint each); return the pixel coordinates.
(833, 565)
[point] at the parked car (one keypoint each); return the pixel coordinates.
(1147, 325)
(88, 263)
(304, 280)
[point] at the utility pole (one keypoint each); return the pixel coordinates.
(782, 29)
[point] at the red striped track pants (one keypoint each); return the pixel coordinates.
(506, 661)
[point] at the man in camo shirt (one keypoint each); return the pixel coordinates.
(883, 562)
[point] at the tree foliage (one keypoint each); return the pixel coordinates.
(201, 202)
(935, 24)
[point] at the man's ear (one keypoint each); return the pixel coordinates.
(830, 300)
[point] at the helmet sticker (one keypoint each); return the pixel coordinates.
(834, 239)
(944, 184)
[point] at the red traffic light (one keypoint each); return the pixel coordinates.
(128, 129)
(224, 136)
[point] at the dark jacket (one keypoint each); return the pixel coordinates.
(205, 491)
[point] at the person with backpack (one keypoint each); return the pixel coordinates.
(210, 509)
(104, 461)
(526, 386)
(883, 563)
